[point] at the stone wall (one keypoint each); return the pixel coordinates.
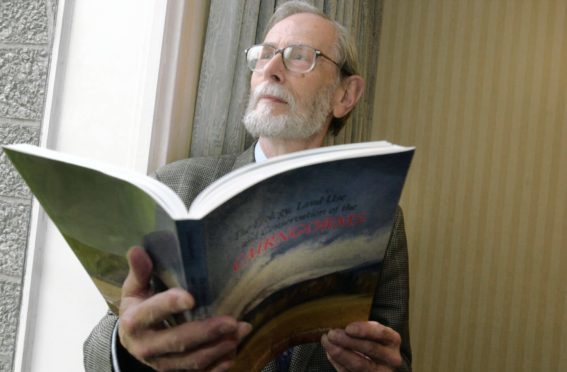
(26, 36)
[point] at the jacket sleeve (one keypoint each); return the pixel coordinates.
(97, 348)
(391, 300)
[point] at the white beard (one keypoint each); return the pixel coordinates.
(294, 125)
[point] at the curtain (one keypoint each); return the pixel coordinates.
(223, 92)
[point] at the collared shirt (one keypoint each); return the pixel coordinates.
(259, 155)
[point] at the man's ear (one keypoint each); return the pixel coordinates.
(348, 95)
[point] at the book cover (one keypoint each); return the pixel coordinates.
(303, 254)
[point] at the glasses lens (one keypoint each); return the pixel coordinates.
(258, 55)
(299, 58)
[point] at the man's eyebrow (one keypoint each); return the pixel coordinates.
(274, 45)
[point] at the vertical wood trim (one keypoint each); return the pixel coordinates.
(176, 97)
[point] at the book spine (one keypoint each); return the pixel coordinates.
(194, 256)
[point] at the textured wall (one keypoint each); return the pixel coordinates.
(26, 29)
(480, 87)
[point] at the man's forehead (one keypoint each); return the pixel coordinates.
(303, 28)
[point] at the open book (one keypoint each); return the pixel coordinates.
(293, 245)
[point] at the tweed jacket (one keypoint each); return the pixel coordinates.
(189, 177)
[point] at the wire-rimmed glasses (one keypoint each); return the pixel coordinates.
(296, 58)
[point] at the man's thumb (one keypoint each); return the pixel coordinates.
(137, 282)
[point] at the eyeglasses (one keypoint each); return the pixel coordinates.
(296, 58)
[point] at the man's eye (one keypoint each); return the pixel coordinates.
(298, 56)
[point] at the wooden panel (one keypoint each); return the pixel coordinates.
(480, 87)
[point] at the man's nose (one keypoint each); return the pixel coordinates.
(274, 69)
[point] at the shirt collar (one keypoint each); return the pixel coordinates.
(259, 155)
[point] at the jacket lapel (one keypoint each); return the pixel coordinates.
(245, 158)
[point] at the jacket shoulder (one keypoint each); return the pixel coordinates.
(188, 177)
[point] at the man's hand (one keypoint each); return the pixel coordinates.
(363, 346)
(204, 345)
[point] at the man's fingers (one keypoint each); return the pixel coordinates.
(244, 330)
(371, 330)
(196, 334)
(344, 359)
(215, 356)
(189, 336)
(155, 310)
(138, 280)
(337, 366)
(193, 345)
(380, 350)
(190, 362)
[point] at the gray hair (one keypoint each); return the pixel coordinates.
(345, 48)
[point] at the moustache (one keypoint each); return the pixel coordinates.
(273, 90)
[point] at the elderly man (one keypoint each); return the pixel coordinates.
(303, 85)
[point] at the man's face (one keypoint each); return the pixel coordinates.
(291, 105)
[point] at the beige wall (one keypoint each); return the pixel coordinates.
(480, 87)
